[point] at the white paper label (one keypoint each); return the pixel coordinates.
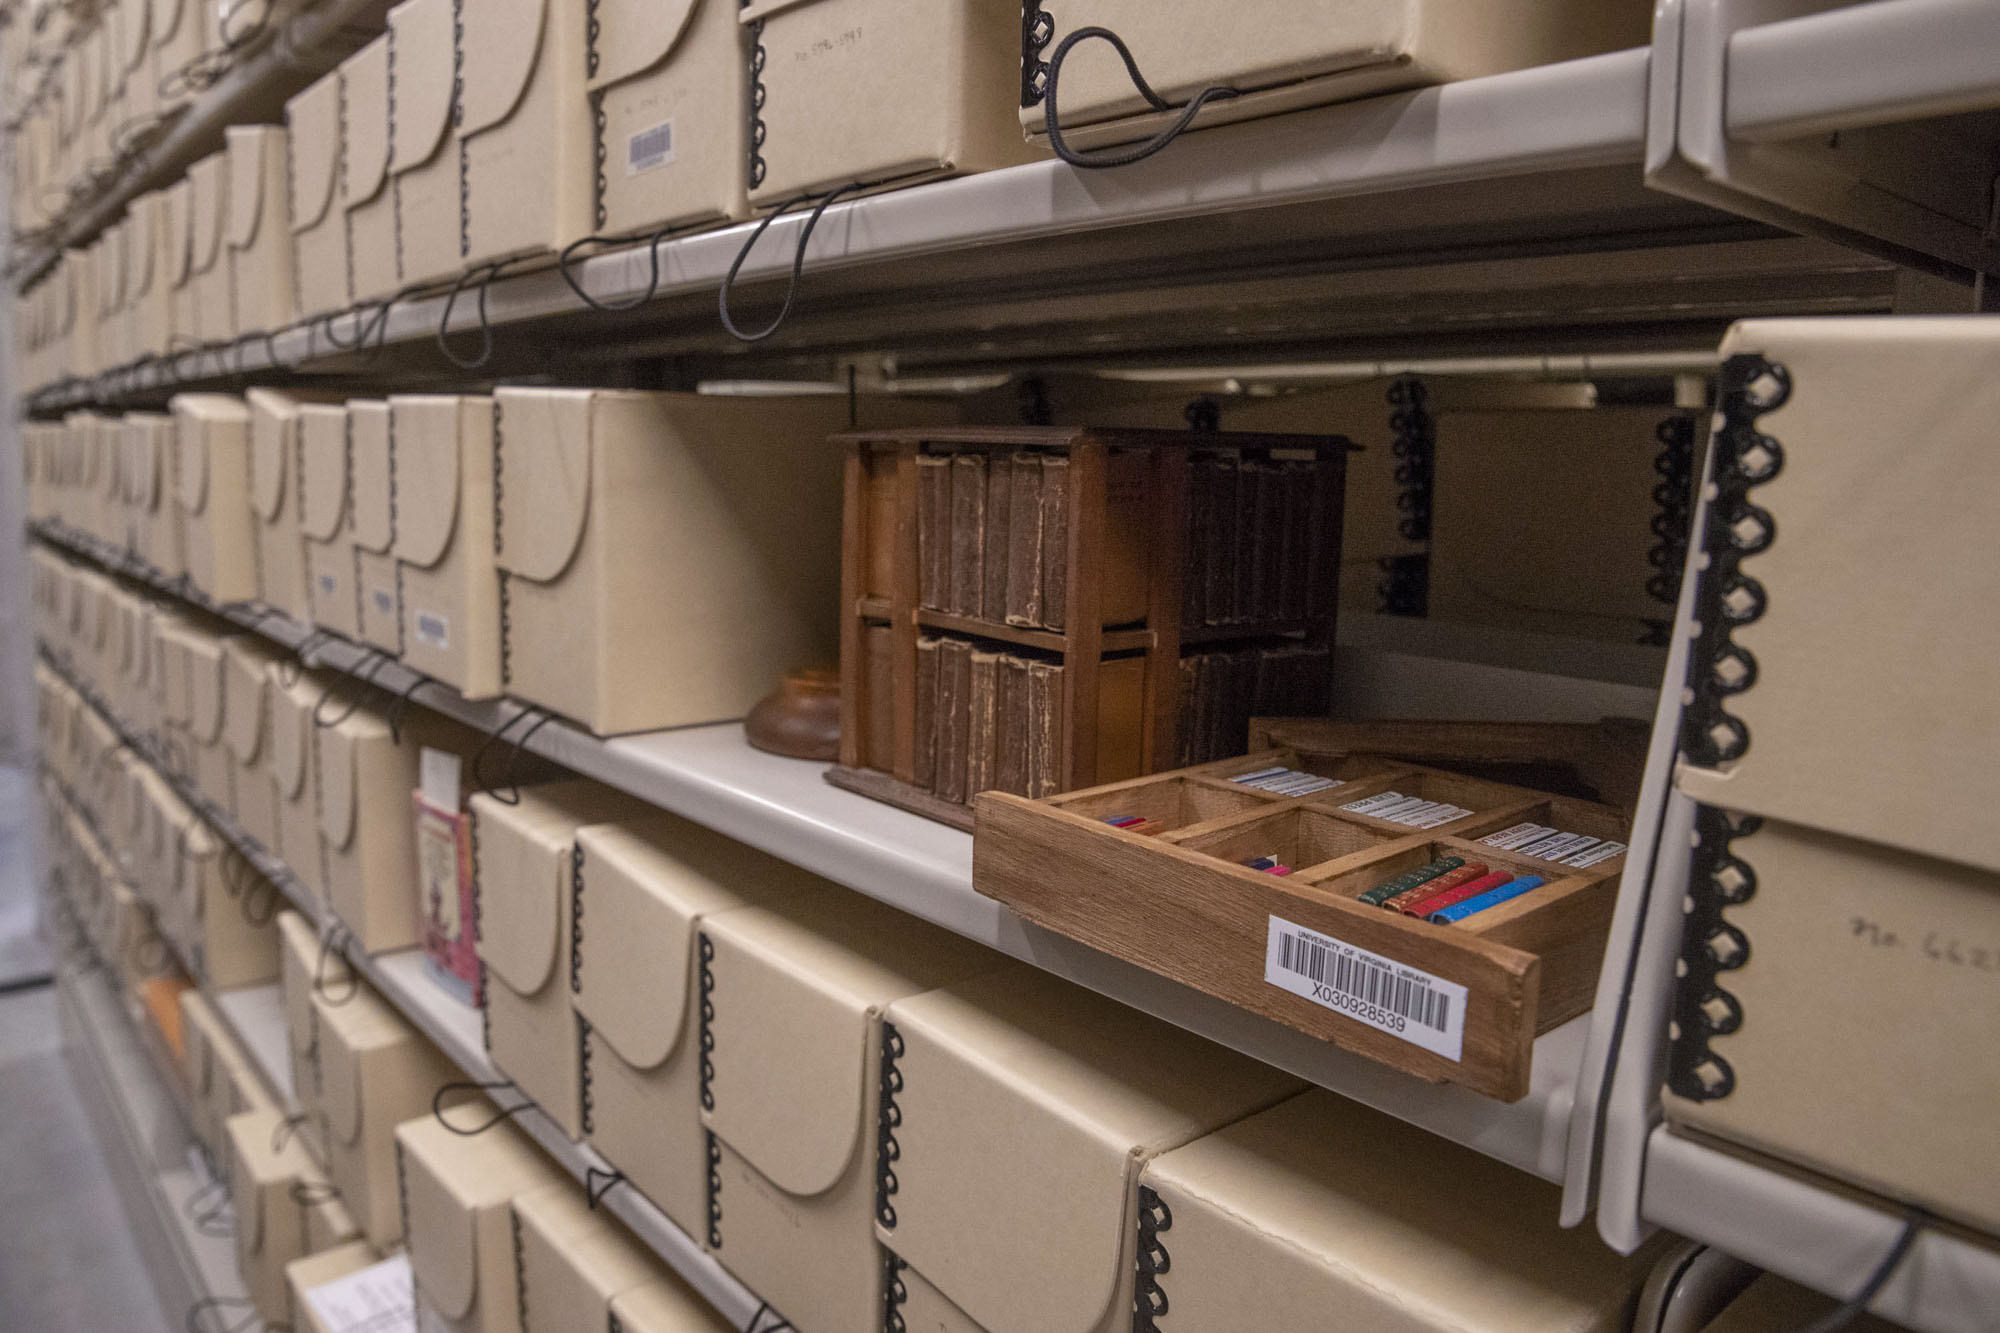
(433, 630)
(649, 148)
(1604, 851)
(377, 1299)
(1393, 997)
(438, 773)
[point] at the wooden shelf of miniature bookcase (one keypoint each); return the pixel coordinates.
(1085, 640)
(1181, 903)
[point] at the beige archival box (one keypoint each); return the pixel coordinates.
(574, 1261)
(524, 881)
(523, 117)
(371, 481)
(146, 280)
(177, 249)
(313, 119)
(1026, 1109)
(177, 42)
(304, 1275)
(670, 83)
(274, 500)
(877, 91)
(1281, 55)
(150, 470)
(365, 198)
(208, 251)
(260, 230)
(458, 1193)
(285, 1209)
(375, 1072)
(247, 665)
(325, 507)
(792, 1105)
(292, 696)
(449, 580)
(667, 556)
(209, 751)
(1323, 1213)
(299, 965)
(423, 147)
(212, 474)
(641, 895)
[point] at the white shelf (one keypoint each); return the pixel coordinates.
(783, 806)
(122, 1094)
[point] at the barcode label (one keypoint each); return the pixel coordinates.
(385, 603)
(649, 148)
(433, 630)
(1393, 997)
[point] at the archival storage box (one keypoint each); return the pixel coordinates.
(208, 250)
(458, 1218)
(523, 116)
(371, 480)
(366, 200)
(208, 752)
(261, 268)
(325, 518)
(1022, 1110)
(247, 664)
(212, 474)
(294, 694)
(641, 894)
(796, 996)
(449, 581)
(418, 101)
(146, 280)
(183, 296)
(304, 1275)
(575, 1261)
(285, 1208)
(149, 472)
(318, 213)
(274, 500)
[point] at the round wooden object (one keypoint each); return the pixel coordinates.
(800, 718)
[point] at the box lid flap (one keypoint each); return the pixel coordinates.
(245, 663)
(166, 20)
(142, 244)
(210, 210)
(595, 1256)
(796, 995)
(190, 462)
(521, 865)
(428, 446)
(635, 35)
(205, 688)
(501, 40)
(336, 761)
(255, 153)
(260, 1174)
(312, 120)
(291, 731)
(364, 94)
(644, 889)
(273, 431)
(135, 34)
(545, 458)
(322, 436)
(1017, 1086)
(420, 39)
(178, 245)
(347, 1038)
(453, 1184)
(370, 468)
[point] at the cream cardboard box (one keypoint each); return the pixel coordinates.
(611, 499)
(177, 42)
(212, 468)
(247, 665)
(457, 1194)
(208, 751)
(260, 230)
(1016, 1088)
(423, 148)
(1845, 1027)
(574, 1261)
(372, 520)
(640, 896)
(448, 578)
(138, 71)
(208, 257)
(314, 1271)
(79, 330)
(666, 1306)
(150, 473)
(323, 281)
(108, 306)
(793, 1102)
(285, 1209)
(365, 202)
(221, 1082)
(669, 81)
(300, 970)
(146, 281)
(524, 883)
(367, 775)
(1277, 62)
(274, 501)
(292, 696)
(1321, 1211)
(233, 942)
(523, 117)
(375, 1072)
(835, 70)
(177, 249)
(325, 509)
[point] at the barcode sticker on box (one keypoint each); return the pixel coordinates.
(433, 630)
(649, 148)
(1393, 997)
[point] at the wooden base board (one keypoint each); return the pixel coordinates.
(879, 786)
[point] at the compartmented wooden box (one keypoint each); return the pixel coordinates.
(1171, 886)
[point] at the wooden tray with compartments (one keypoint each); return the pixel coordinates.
(1460, 1003)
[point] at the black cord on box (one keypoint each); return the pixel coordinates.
(798, 260)
(1119, 157)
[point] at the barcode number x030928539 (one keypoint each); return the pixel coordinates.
(1422, 1009)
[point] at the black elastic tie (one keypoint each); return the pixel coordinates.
(486, 275)
(1119, 157)
(798, 261)
(567, 258)
(494, 737)
(1914, 1221)
(332, 943)
(365, 678)
(282, 1133)
(292, 670)
(400, 705)
(312, 1193)
(261, 901)
(597, 1184)
(505, 1113)
(218, 1304)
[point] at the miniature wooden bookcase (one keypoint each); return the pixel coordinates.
(1035, 609)
(1174, 890)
